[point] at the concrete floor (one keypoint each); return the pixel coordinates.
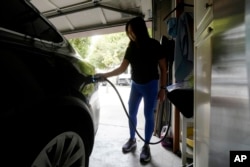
(113, 132)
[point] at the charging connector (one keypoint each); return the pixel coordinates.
(92, 79)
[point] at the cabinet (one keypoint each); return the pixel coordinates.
(203, 30)
(203, 15)
(202, 93)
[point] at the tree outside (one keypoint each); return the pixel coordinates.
(81, 45)
(109, 51)
(104, 51)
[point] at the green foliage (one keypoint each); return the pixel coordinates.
(150, 32)
(81, 45)
(86, 67)
(88, 89)
(109, 50)
(106, 51)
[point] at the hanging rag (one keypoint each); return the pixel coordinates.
(184, 54)
(172, 27)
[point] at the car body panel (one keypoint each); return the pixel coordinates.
(44, 84)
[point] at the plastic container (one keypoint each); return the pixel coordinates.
(168, 140)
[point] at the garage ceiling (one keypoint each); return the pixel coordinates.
(78, 18)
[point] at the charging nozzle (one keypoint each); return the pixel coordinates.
(93, 79)
(96, 78)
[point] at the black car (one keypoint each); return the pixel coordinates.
(49, 107)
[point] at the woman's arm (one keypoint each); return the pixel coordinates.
(118, 70)
(163, 78)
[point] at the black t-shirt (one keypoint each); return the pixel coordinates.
(144, 60)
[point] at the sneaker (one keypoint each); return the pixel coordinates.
(129, 145)
(145, 155)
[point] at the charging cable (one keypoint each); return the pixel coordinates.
(97, 79)
(126, 112)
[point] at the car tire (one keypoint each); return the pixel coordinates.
(65, 150)
(36, 131)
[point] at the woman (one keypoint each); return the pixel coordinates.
(144, 54)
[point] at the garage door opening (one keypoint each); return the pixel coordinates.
(113, 129)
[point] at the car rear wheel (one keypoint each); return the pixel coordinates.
(65, 150)
(58, 133)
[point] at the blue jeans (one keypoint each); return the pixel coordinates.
(149, 93)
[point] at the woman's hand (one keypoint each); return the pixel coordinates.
(101, 76)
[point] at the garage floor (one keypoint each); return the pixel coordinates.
(113, 133)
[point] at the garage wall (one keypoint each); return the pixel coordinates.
(161, 9)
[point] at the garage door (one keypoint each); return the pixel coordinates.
(75, 18)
